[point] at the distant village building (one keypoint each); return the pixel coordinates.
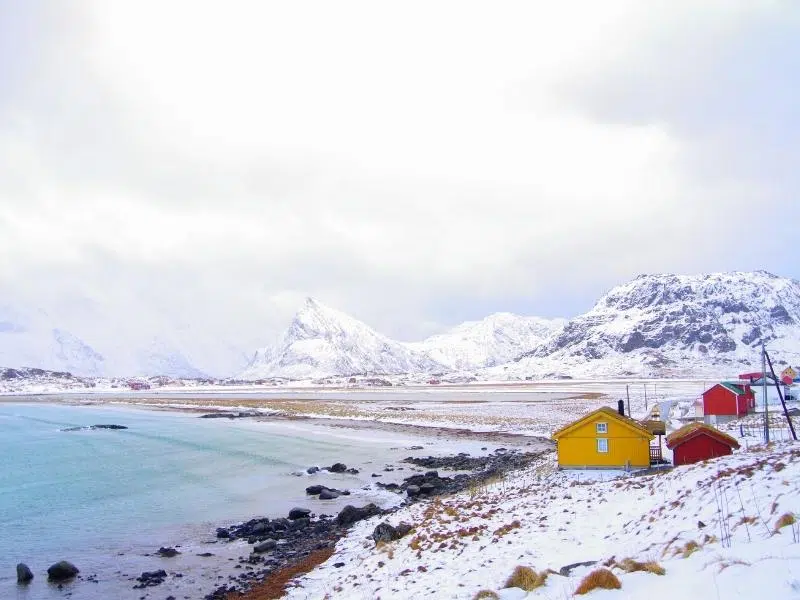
(696, 442)
(788, 375)
(138, 385)
(603, 439)
(727, 400)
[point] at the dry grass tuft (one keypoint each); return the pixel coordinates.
(688, 549)
(486, 595)
(599, 578)
(633, 566)
(784, 520)
(527, 579)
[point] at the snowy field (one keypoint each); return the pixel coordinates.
(723, 529)
(534, 408)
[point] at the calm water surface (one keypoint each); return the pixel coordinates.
(106, 498)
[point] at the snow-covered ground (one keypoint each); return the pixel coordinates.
(712, 527)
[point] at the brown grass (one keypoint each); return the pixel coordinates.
(688, 549)
(486, 595)
(784, 520)
(633, 566)
(599, 578)
(526, 578)
(274, 586)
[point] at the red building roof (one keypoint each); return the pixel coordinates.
(693, 430)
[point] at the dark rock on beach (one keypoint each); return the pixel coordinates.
(93, 427)
(150, 579)
(337, 468)
(24, 574)
(327, 494)
(265, 546)
(312, 470)
(315, 490)
(299, 513)
(61, 571)
(167, 552)
(350, 514)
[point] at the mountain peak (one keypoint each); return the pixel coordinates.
(322, 341)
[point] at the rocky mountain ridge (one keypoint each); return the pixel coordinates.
(680, 324)
(652, 326)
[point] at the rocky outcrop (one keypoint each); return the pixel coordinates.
(24, 574)
(62, 571)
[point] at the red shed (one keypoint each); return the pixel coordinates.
(696, 441)
(727, 399)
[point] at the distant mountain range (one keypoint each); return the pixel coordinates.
(653, 326)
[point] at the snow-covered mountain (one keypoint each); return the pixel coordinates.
(676, 325)
(497, 339)
(321, 341)
(32, 339)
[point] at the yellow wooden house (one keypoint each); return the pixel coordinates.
(603, 439)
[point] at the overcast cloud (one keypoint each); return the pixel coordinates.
(207, 165)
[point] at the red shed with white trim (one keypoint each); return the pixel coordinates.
(727, 399)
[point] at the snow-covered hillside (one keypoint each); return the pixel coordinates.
(497, 339)
(725, 528)
(675, 325)
(321, 341)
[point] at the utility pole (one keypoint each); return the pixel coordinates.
(628, 394)
(645, 397)
(764, 391)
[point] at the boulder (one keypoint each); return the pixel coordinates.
(412, 490)
(24, 574)
(384, 533)
(299, 513)
(337, 468)
(350, 514)
(427, 488)
(314, 490)
(150, 579)
(167, 552)
(312, 470)
(61, 571)
(327, 494)
(223, 533)
(402, 530)
(265, 546)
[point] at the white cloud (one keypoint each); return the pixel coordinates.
(413, 164)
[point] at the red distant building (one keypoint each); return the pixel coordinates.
(138, 385)
(728, 399)
(696, 442)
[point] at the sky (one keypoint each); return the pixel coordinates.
(204, 166)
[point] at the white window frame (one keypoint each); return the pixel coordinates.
(601, 428)
(602, 445)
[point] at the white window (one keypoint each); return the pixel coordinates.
(602, 428)
(602, 445)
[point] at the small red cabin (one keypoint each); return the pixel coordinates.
(728, 399)
(696, 441)
(138, 385)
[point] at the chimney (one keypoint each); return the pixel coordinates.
(621, 407)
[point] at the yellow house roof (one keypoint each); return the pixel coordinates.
(606, 412)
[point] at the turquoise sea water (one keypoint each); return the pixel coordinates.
(105, 498)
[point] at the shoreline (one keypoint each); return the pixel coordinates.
(224, 560)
